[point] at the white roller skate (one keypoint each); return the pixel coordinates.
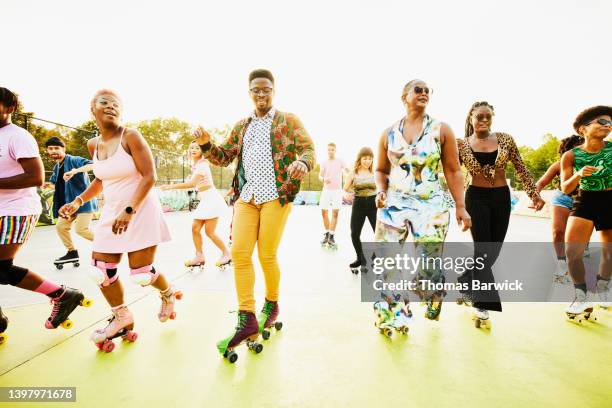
(402, 317)
(384, 318)
(481, 319)
(121, 324)
(560, 275)
(225, 262)
(603, 292)
(580, 309)
(168, 298)
(196, 262)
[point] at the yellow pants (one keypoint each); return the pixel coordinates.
(82, 222)
(262, 224)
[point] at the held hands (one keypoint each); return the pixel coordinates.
(586, 171)
(201, 135)
(69, 174)
(121, 222)
(297, 170)
(463, 218)
(381, 199)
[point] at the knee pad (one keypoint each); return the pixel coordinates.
(144, 276)
(103, 273)
(11, 274)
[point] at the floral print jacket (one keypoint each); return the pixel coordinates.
(290, 142)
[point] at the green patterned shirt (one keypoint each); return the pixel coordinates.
(600, 180)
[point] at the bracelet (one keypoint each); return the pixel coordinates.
(381, 191)
(80, 198)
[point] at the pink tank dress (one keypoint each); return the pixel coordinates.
(120, 178)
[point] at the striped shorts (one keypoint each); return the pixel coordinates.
(16, 229)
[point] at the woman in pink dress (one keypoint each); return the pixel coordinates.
(131, 221)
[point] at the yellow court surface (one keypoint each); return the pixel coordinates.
(328, 353)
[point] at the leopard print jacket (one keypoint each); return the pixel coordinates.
(507, 151)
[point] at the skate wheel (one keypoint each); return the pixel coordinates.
(108, 346)
(232, 357)
(386, 332)
(172, 316)
(76, 264)
(477, 323)
(459, 301)
(86, 302)
(130, 336)
(278, 325)
(178, 295)
(99, 346)
(3, 338)
(67, 324)
(59, 266)
(265, 334)
(257, 348)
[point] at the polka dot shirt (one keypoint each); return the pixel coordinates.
(257, 161)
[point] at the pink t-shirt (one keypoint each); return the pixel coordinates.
(203, 169)
(17, 143)
(331, 171)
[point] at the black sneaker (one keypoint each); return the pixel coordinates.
(71, 256)
(331, 240)
(325, 239)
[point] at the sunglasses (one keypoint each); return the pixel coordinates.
(483, 116)
(422, 89)
(602, 122)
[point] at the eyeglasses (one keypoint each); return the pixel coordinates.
(261, 91)
(483, 116)
(602, 122)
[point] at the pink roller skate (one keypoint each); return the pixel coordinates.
(224, 262)
(121, 324)
(168, 298)
(196, 262)
(63, 305)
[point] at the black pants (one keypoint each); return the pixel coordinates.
(490, 212)
(363, 207)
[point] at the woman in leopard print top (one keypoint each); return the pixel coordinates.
(485, 155)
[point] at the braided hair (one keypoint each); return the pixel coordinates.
(569, 143)
(469, 129)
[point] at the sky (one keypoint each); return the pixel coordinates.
(339, 65)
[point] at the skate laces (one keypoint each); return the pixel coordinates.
(56, 307)
(242, 319)
(268, 308)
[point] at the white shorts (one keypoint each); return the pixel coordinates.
(330, 198)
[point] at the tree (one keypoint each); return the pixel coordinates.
(77, 142)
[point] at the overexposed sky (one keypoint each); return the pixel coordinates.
(339, 65)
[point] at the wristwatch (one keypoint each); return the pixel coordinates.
(129, 210)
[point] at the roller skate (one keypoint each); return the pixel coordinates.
(325, 241)
(71, 256)
(603, 292)
(560, 275)
(384, 318)
(121, 324)
(267, 319)
(481, 319)
(196, 262)
(168, 298)
(434, 308)
(331, 243)
(355, 267)
(225, 262)
(3, 325)
(64, 304)
(247, 331)
(580, 309)
(402, 316)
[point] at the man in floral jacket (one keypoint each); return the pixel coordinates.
(274, 153)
